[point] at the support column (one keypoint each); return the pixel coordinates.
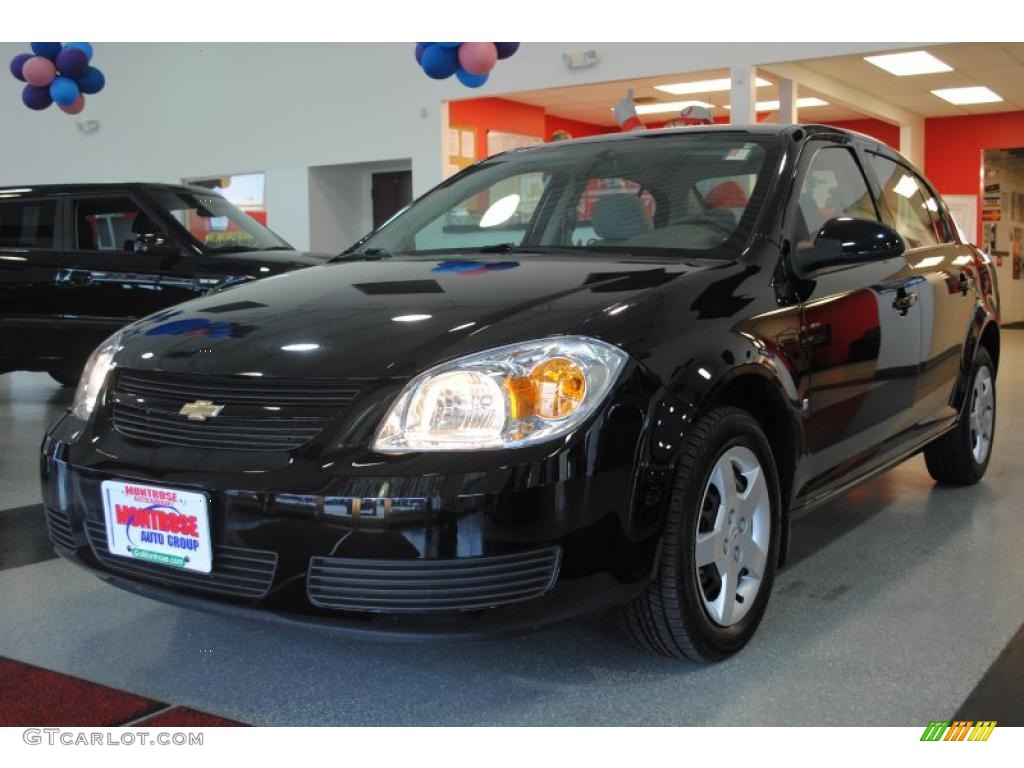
(743, 96)
(912, 141)
(787, 102)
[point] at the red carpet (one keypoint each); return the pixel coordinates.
(32, 696)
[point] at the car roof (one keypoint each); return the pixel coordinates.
(796, 131)
(119, 186)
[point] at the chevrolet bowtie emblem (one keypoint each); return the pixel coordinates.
(200, 410)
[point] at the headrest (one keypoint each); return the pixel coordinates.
(620, 216)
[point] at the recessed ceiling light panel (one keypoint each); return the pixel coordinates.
(909, 63)
(705, 86)
(974, 94)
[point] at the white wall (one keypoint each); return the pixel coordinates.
(170, 111)
(341, 203)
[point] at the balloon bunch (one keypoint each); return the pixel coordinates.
(57, 73)
(471, 63)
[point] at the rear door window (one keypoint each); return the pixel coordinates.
(27, 223)
(903, 197)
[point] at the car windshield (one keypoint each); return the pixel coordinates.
(216, 224)
(675, 194)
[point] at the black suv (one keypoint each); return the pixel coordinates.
(604, 372)
(77, 262)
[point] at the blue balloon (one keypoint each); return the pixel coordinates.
(64, 91)
(439, 62)
(85, 48)
(449, 45)
(49, 50)
(17, 63)
(470, 80)
(92, 81)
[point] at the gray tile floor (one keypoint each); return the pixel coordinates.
(898, 598)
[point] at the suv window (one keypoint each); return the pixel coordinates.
(27, 223)
(110, 224)
(834, 185)
(904, 198)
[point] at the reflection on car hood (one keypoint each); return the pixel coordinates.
(285, 259)
(396, 317)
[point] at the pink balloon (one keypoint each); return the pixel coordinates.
(39, 71)
(76, 106)
(477, 58)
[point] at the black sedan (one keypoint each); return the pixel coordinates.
(605, 373)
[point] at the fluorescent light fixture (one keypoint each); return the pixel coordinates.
(705, 86)
(300, 347)
(411, 318)
(909, 63)
(771, 106)
(501, 210)
(668, 106)
(906, 187)
(974, 94)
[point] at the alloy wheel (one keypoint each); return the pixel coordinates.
(982, 414)
(733, 532)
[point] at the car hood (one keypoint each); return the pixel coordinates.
(393, 318)
(275, 261)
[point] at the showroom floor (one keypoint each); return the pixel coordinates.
(902, 604)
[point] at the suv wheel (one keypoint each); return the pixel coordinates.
(961, 457)
(720, 546)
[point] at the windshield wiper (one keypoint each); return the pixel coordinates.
(513, 248)
(371, 254)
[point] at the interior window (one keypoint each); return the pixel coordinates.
(904, 198)
(633, 209)
(26, 223)
(501, 213)
(111, 224)
(833, 186)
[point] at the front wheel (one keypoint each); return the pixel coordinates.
(720, 547)
(65, 379)
(961, 457)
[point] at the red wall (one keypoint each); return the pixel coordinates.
(494, 114)
(876, 129)
(953, 147)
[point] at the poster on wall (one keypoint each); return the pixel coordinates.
(964, 210)
(1018, 268)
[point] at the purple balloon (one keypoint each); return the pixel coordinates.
(420, 47)
(36, 98)
(72, 62)
(17, 63)
(506, 49)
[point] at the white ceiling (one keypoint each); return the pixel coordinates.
(1000, 66)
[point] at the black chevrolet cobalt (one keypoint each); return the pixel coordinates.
(605, 373)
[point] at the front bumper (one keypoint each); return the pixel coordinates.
(454, 555)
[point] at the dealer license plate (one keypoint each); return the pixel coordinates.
(158, 525)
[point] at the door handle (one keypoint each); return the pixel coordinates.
(966, 282)
(79, 277)
(904, 301)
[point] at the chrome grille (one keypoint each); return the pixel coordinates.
(257, 414)
(237, 572)
(418, 586)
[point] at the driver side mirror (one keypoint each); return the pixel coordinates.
(155, 245)
(845, 241)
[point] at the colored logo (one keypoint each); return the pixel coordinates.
(201, 410)
(959, 730)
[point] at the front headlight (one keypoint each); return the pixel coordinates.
(100, 362)
(511, 396)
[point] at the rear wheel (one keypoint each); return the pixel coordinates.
(720, 546)
(961, 457)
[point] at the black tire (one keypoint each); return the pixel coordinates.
(670, 618)
(64, 378)
(950, 459)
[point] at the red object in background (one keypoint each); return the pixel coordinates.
(260, 216)
(885, 132)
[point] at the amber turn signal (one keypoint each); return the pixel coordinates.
(553, 390)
